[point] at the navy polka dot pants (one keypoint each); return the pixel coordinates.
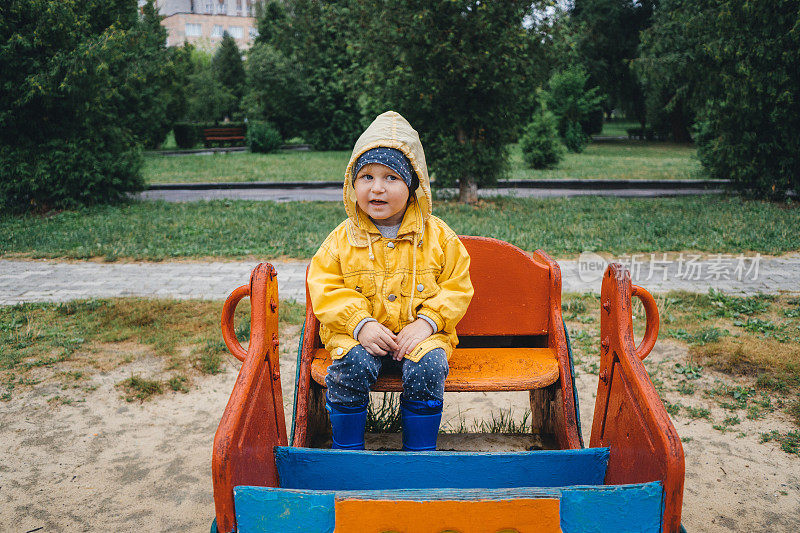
(350, 378)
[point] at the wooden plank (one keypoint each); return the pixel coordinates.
(359, 516)
(602, 508)
(307, 468)
(474, 369)
(618, 508)
(511, 290)
(253, 421)
(629, 415)
(265, 511)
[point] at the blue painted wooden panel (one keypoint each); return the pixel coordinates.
(270, 511)
(307, 468)
(590, 509)
(620, 508)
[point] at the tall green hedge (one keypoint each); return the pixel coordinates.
(81, 94)
(749, 128)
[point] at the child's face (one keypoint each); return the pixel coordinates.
(381, 193)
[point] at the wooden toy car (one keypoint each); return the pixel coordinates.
(512, 338)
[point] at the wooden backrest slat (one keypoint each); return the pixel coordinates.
(512, 291)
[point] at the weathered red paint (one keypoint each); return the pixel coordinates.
(228, 333)
(515, 295)
(253, 419)
(565, 423)
(652, 322)
(629, 416)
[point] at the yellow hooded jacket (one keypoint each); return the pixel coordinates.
(357, 273)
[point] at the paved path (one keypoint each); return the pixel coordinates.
(41, 281)
(335, 195)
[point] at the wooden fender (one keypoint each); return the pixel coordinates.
(253, 423)
(629, 417)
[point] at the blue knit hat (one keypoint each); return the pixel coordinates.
(392, 158)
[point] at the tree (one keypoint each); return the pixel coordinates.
(276, 90)
(606, 39)
(229, 71)
(673, 65)
(80, 79)
(309, 42)
(731, 66)
(456, 70)
(750, 122)
(574, 105)
(208, 100)
(181, 59)
(148, 88)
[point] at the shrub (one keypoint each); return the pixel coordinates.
(83, 88)
(540, 144)
(732, 66)
(574, 137)
(575, 106)
(68, 173)
(187, 135)
(263, 137)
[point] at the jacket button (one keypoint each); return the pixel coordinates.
(420, 287)
(390, 244)
(391, 297)
(339, 351)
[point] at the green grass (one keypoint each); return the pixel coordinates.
(606, 160)
(618, 127)
(764, 369)
(245, 166)
(138, 388)
(560, 226)
(617, 160)
(65, 343)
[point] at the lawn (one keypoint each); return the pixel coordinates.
(245, 166)
(618, 160)
(606, 160)
(618, 128)
(754, 339)
(563, 227)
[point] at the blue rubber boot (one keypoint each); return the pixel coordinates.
(420, 424)
(347, 424)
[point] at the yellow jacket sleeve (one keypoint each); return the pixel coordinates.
(337, 307)
(448, 306)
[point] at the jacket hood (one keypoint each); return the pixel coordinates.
(389, 130)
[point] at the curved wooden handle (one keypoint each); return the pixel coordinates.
(652, 321)
(228, 331)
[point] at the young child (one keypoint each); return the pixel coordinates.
(390, 283)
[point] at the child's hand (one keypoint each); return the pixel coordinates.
(410, 336)
(377, 339)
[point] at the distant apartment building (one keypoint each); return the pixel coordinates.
(203, 22)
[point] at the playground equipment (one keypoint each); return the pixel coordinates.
(512, 338)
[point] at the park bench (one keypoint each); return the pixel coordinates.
(511, 338)
(233, 136)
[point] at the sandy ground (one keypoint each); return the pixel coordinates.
(104, 464)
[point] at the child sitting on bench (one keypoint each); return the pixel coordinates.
(388, 286)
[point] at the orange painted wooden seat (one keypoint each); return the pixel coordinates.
(474, 369)
(511, 338)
